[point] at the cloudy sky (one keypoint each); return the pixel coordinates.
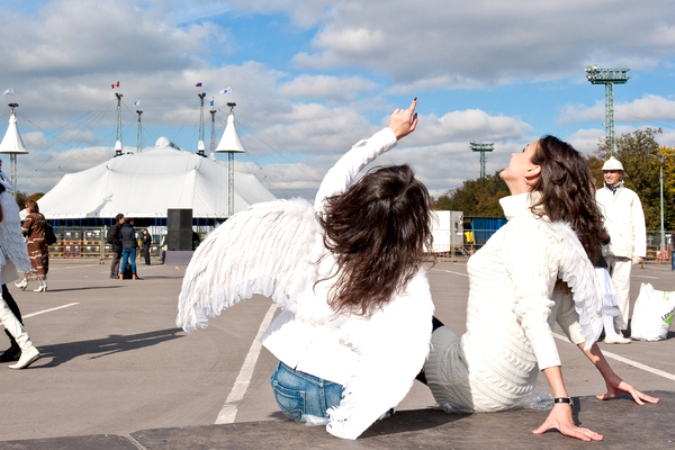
(312, 77)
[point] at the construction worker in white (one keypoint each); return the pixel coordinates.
(625, 222)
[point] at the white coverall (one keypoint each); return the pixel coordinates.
(625, 222)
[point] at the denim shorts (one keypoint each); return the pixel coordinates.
(299, 394)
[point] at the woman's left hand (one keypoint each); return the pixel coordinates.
(616, 386)
(561, 419)
(404, 121)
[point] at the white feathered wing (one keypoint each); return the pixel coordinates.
(270, 249)
(577, 271)
(11, 240)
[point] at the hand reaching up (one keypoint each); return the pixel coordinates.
(404, 121)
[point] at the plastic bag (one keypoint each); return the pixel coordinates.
(653, 314)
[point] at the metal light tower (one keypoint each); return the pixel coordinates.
(482, 148)
(212, 144)
(662, 158)
(608, 77)
(118, 134)
(200, 144)
(139, 133)
(230, 144)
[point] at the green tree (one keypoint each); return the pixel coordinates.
(37, 196)
(21, 198)
(477, 198)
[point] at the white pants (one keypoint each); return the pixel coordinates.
(12, 324)
(619, 268)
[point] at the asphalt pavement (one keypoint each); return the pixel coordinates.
(116, 372)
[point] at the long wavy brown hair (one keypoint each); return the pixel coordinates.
(568, 193)
(32, 206)
(377, 231)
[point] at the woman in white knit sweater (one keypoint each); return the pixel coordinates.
(516, 294)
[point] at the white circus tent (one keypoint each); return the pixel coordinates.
(147, 184)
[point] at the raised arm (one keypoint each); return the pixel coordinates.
(341, 176)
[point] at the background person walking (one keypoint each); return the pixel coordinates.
(146, 239)
(129, 245)
(38, 250)
(113, 239)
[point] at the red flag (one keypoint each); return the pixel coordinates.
(118, 84)
(114, 85)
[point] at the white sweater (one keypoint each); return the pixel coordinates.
(375, 358)
(511, 309)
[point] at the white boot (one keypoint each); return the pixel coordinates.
(29, 354)
(22, 285)
(42, 287)
(28, 357)
(611, 335)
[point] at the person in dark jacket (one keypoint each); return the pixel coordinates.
(129, 245)
(114, 240)
(146, 239)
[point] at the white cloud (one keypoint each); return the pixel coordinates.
(465, 42)
(62, 57)
(587, 140)
(93, 37)
(468, 125)
(647, 108)
(338, 89)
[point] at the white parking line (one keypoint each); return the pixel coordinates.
(229, 411)
(648, 277)
(450, 271)
(48, 310)
(630, 362)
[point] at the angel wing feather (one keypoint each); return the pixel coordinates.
(11, 240)
(270, 249)
(578, 272)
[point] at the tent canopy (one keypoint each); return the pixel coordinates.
(146, 185)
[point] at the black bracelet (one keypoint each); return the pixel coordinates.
(567, 400)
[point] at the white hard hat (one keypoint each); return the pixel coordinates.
(612, 164)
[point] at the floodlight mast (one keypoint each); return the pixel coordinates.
(608, 77)
(118, 137)
(200, 144)
(139, 133)
(482, 148)
(212, 143)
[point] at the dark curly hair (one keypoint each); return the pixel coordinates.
(568, 192)
(377, 231)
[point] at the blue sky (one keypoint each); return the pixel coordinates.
(310, 78)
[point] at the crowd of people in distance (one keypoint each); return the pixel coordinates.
(124, 244)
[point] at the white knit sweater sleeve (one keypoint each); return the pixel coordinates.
(530, 258)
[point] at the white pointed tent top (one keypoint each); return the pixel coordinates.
(12, 142)
(149, 183)
(230, 142)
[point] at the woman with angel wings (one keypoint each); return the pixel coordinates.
(534, 271)
(13, 254)
(356, 307)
